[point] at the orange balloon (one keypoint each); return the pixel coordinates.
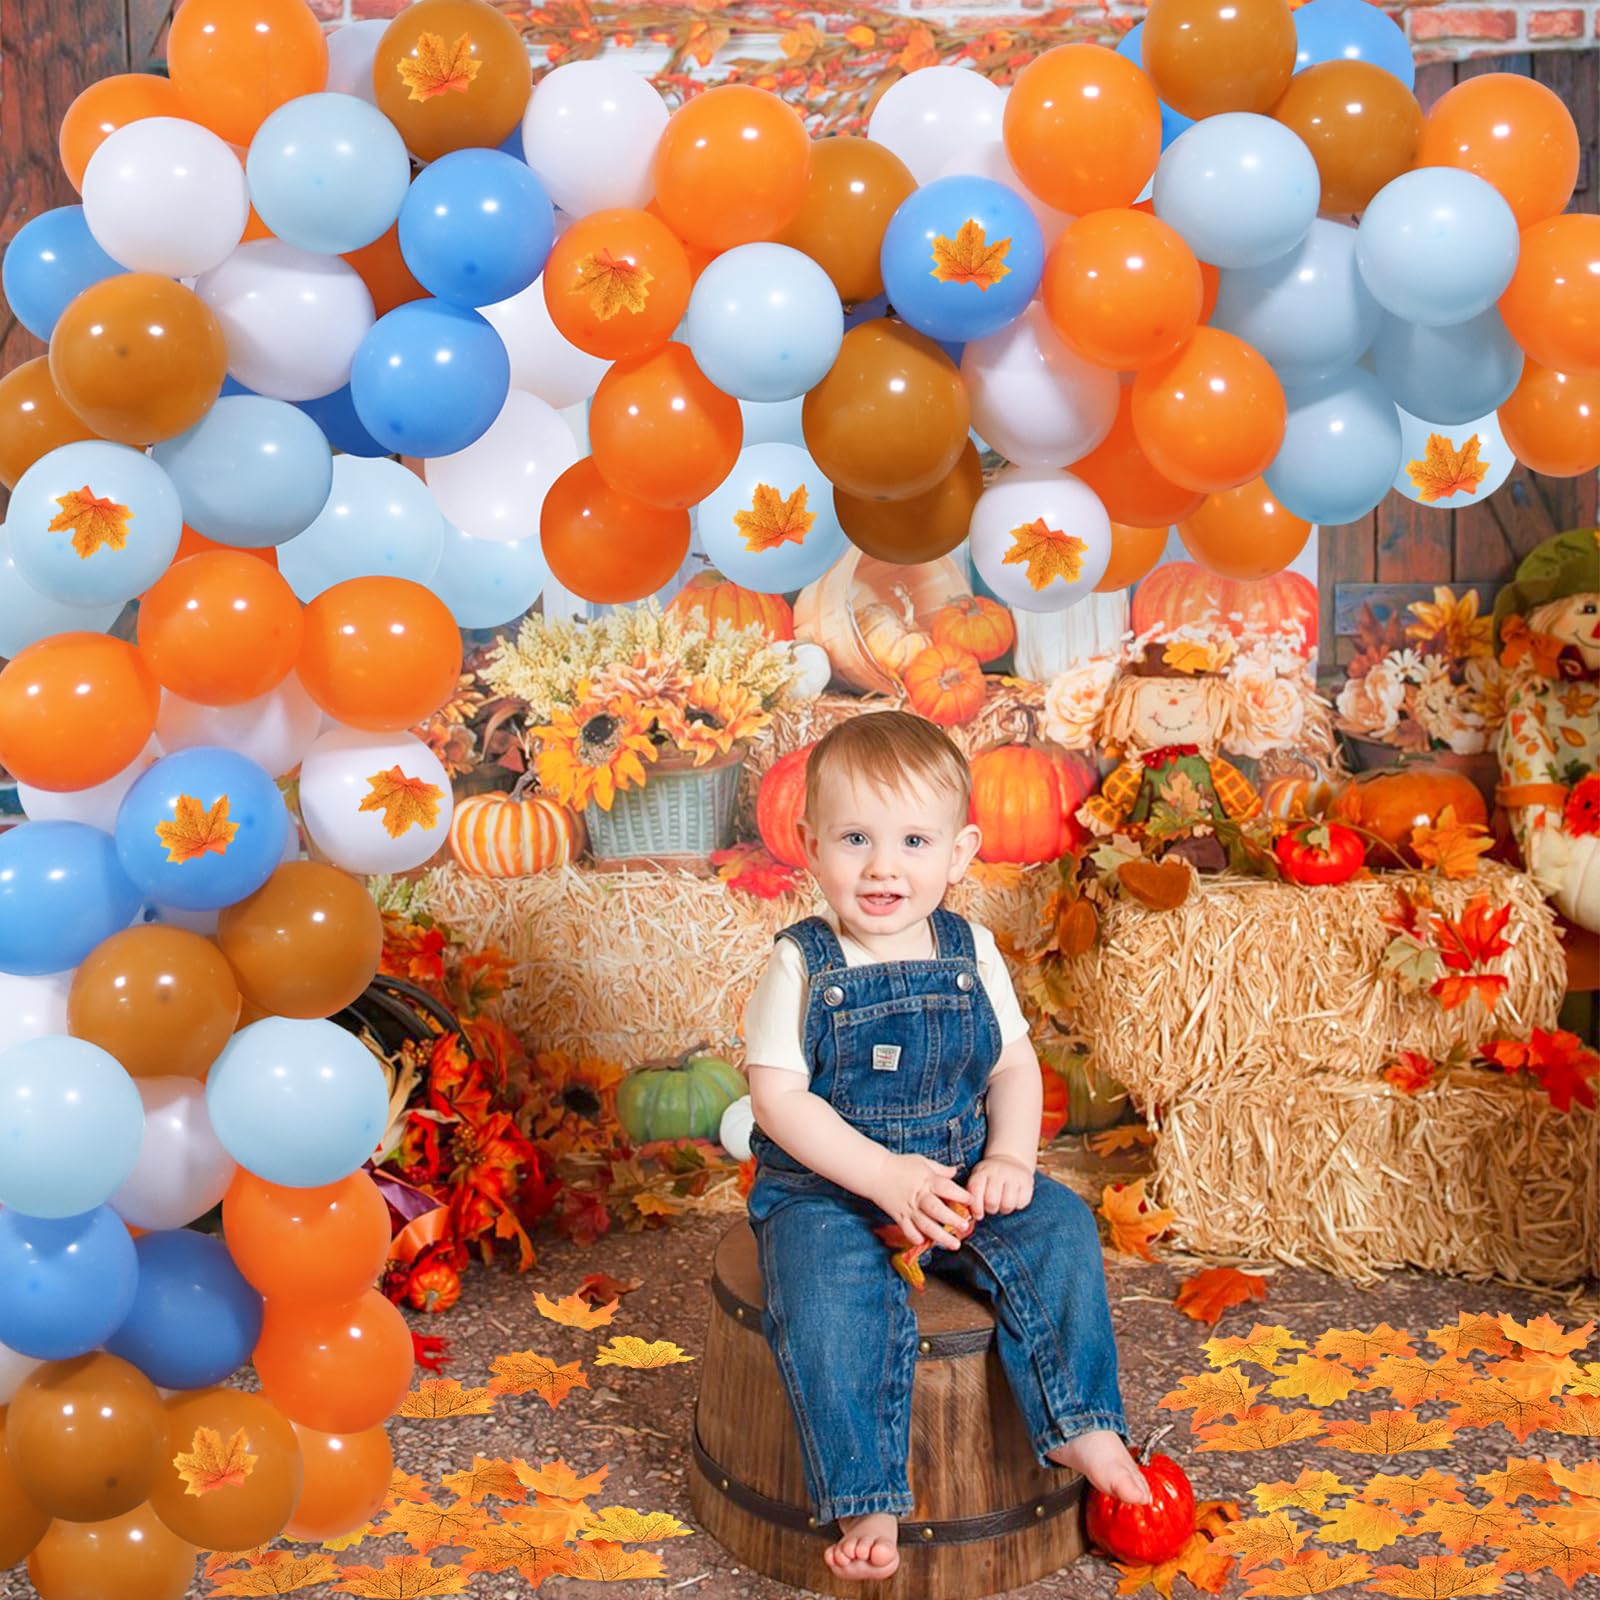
(732, 167)
(1244, 533)
(1083, 128)
(923, 528)
(191, 543)
(855, 187)
(383, 269)
(110, 104)
(75, 709)
(138, 357)
(1210, 56)
(1130, 489)
(1513, 133)
(346, 1482)
(1552, 421)
(605, 545)
(379, 653)
(306, 943)
(336, 1368)
(134, 1557)
(235, 62)
(1361, 125)
(434, 111)
(699, 257)
(34, 419)
(1210, 276)
(1122, 289)
(1210, 417)
(220, 628)
(1134, 552)
(22, 1523)
(617, 283)
(1552, 306)
(661, 431)
(162, 1000)
(236, 1516)
(321, 1246)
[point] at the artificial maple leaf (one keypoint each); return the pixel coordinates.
(604, 1561)
(1588, 1380)
(1310, 1492)
(219, 1561)
(1465, 944)
(1410, 1072)
(970, 258)
(1578, 1417)
(523, 1535)
(598, 1287)
(550, 1563)
(1581, 1521)
(94, 523)
(622, 1525)
(1444, 470)
(1135, 1223)
(1258, 1540)
(1047, 552)
(485, 1479)
(405, 1486)
(1412, 1380)
(209, 1464)
(1205, 1567)
(1197, 655)
(434, 69)
(194, 830)
(276, 1571)
(1539, 1546)
(557, 1479)
(1387, 1433)
(1462, 1526)
(348, 1541)
(625, 1350)
(1261, 1428)
(1435, 1578)
(1358, 1348)
(1558, 1060)
(1211, 1395)
(402, 1578)
(1112, 1141)
(1582, 1479)
(1366, 1526)
(613, 284)
(1208, 1294)
(571, 1312)
(436, 1398)
(1472, 1331)
(1311, 1572)
(773, 520)
(1449, 846)
(427, 1527)
(1485, 1403)
(1262, 1347)
(1414, 1493)
(1538, 1374)
(574, 1514)
(1314, 1378)
(752, 869)
(405, 802)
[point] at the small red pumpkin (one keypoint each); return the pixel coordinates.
(1053, 1112)
(977, 624)
(779, 803)
(1146, 1535)
(1321, 852)
(944, 683)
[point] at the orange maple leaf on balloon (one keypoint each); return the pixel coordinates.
(1444, 470)
(93, 522)
(433, 69)
(771, 519)
(1047, 552)
(209, 1464)
(613, 284)
(970, 258)
(405, 802)
(194, 830)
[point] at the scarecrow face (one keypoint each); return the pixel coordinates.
(1575, 621)
(1174, 711)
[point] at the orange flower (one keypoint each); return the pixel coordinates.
(1582, 814)
(577, 1110)
(592, 752)
(716, 717)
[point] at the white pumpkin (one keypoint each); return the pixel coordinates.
(738, 1123)
(813, 670)
(1578, 898)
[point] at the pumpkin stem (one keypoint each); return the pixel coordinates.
(1150, 1443)
(523, 784)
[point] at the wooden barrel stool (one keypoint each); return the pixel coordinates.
(987, 1516)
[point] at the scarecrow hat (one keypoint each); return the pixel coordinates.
(1566, 564)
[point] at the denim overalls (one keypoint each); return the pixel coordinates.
(903, 1052)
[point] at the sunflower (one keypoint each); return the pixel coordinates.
(1455, 623)
(593, 751)
(715, 717)
(577, 1102)
(651, 680)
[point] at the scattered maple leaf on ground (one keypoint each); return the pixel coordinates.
(348, 1541)
(1578, 1417)
(527, 1372)
(1261, 1428)
(1310, 1491)
(1311, 1572)
(1580, 1520)
(1583, 1480)
(1414, 1493)
(276, 1571)
(428, 1527)
(95, 523)
(1135, 1223)
(1112, 1141)
(402, 1578)
(1208, 1294)
(405, 802)
(774, 519)
(572, 1312)
(1211, 1394)
(404, 1486)
(1258, 1540)
(1200, 1561)
(1360, 1347)
(622, 1525)
(574, 1515)
(604, 1561)
(194, 830)
(484, 1479)
(1046, 552)
(1485, 1403)
(1538, 1374)
(1315, 1378)
(523, 1536)
(599, 1287)
(435, 68)
(1539, 1546)
(1445, 470)
(1413, 1380)
(437, 1398)
(1436, 1578)
(1387, 1433)
(613, 284)
(1462, 1526)
(625, 1350)
(1545, 1333)
(1472, 1331)
(558, 1479)
(220, 1560)
(970, 258)
(209, 1464)
(1262, 1346)
(1366, 1526)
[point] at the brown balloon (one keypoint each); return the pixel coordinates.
(891, 417)
(34, 419)
(131, 1557)
(162, 1000)
(306, 943)
(1360, 123)
(138, 357)
(1210, 56)
(236, 1516)
(855, 187)
(85, 1437)
(347, 1480)
(923, 528)
(22, 1523)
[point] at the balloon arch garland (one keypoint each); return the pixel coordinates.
(298, 258)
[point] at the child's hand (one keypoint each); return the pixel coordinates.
(914, 1192)
(999, 1184)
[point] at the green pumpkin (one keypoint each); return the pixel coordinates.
(1094, 1100)
(682, 1100)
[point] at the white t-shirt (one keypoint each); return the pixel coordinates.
(774, 1015)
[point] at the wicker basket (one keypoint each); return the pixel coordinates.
(680, 810)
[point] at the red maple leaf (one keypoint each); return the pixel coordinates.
(1474, 937)
(752, 869)
(1560, 1062)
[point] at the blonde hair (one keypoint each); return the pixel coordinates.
(1121, 708)
(889, 749)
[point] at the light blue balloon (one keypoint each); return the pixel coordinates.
(1340, 451)
(26, 616)
(251, 472)
(379, 520)
(784, 567)
(773, 422)
(69, 1282)
(952, 310)
(476, 227)
(49, 563)
(486, 582)
(1450, 375)
(429, 378)
(1437, 245)
(1352, 30)
(1131, 47)
(49, 263)
(328, 173)
(1309, 312)
(205, 774)
(297, 1103)
(335, 415)
(764, 322)
(62, 891)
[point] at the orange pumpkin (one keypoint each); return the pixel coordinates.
(1024, 798)
(1389, 802)
(779, 802)
(1182, 592)
(944, 683)
(977, 624)
(1295, 799)
(502, 836)
(1053, 1112)
(717, 599)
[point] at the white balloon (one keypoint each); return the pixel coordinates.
(182, 1170)
(929, 117)
(991, 161)
(274, 730)
(1013, 502)
(165, 195)
(337, 776)
(543, 363)
(495, 488)
(293, 320)
(14, 1367)
(590, 134)
(1033, 400)
(31, 1008)
(96, 806)
(350, 53)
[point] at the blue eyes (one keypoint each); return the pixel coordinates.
(861, 838)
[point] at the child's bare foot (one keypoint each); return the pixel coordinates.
(1106, 1462)
(868, 1549)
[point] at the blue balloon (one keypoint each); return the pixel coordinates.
(486, 582)
(476, 227)
(62, 891)
(764, 470)
(26, 616)
(1131, 47)
(335, 415)
(1340, 451)
(379, 520)
(1451, 375)
(194, 1319)
(958, 311)
(429, 378)
(328, 173)
(51, 261)
(251, 472)
(1352, 30)
(511, 145)
(231, 387)
(297, 1103)
(866, 311)
(208, 777)
(774, 422)
(69, 1282)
